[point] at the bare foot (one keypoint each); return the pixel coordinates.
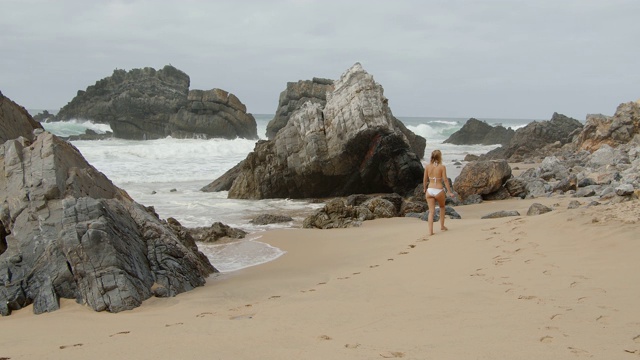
(431, 234)
(444, 228)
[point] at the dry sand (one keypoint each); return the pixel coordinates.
(561, 285)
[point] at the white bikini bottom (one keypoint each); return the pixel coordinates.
(433, 191)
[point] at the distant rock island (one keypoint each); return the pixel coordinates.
(330, 139)
(475, 132)
(149, 104)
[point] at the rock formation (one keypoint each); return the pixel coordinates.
(613, 131)
(67, 232)
(475, 132)
(351, 145)
(315, 91)
(16, 121)
(537, 139)
(294, 96)
(482, 178)
(149, 104)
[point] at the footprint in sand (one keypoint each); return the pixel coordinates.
(373, 266)
(201, 315)
(554, 316)
(175, 324)
(69, 346)
(546, 339)
(343, 278)
(310, 290)
(325, 337)
(352, 346)
(274, 297)
(577, 351)
(403, 253)
(637, 339)
(120, 333)
(5, 358)
(356, 273)
(412, 246)
(392, 354)
(242, 317)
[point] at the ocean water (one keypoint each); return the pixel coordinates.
(169, 173)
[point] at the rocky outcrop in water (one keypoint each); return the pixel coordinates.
(150, 104)
(475, 132)
(67, 232)
(538, 139)
(351, 145)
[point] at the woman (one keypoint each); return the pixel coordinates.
(435, 175)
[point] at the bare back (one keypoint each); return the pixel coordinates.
(435, 175)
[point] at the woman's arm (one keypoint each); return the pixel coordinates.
(445, 179)
(425, 179)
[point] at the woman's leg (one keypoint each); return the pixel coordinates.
(441, 202)
(431, 201)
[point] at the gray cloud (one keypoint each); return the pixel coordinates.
(485, 58)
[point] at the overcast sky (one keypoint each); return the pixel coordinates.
(472, 58)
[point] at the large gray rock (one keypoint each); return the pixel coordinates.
(68, 232)
(315, 91)
(482, 178)
(294, 96)
(475, 131)
(351, 145)
(150, 104)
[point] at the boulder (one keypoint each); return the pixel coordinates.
(500, 214)
(482, 178)
(266, 219)
(350, 145)
(149, 104)
(68, 232)
(538, 209)
(215, 232)
(613, 131)
(475, 132)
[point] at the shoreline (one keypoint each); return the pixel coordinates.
(559, 285)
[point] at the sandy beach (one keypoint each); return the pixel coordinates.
(562, 285)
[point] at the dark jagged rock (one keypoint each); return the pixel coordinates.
(149, 104)
(352, 145)
(215, 232)
(475, 132)
(67, 232)
(213, 114)
(266, 219)
(537, 139)
(16, 121)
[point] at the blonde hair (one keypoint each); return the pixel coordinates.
(436, 157)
